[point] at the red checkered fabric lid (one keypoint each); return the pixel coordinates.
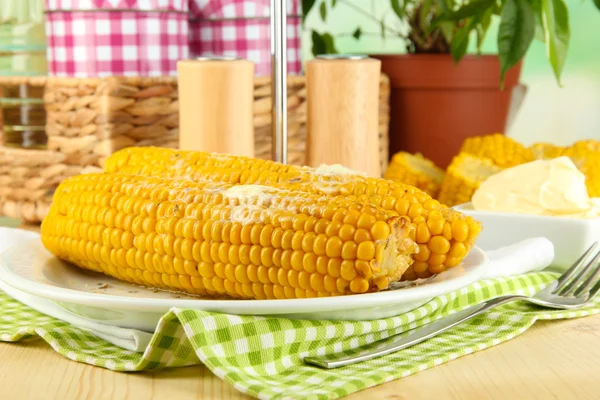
(170, 5)
(84, 40)
(241, 28)
(237, 8)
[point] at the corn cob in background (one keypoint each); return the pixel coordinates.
(587, 159)
(415, 170)
(444, 236)
(546, 151)
(502, 150)
(586, 145)
(585, 154)
(215, 239)
(463, 177)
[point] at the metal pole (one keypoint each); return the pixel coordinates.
(278, 80)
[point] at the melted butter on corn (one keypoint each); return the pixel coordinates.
(335, 170)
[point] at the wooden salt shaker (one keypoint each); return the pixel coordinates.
(343, 112)
(216, 97)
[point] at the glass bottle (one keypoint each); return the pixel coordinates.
(22, 53)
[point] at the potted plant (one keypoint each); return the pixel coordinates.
(440, 95)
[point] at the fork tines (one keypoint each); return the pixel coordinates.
(581, 276)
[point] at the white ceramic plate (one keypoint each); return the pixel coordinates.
(28, 267)
(571, 237)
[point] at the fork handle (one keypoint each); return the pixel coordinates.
(419, 335)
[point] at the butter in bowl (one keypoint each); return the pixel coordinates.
(545, 198)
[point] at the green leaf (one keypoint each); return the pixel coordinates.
(517, 27)
(555, 18)
(322, 43)
(483, 27)
(323, 11)
(399, 10)
(460, 42)
(425, 8)
(318, 44)
(443, 6)
(539, 25)
(447, 28)
(597, 3)
(498, 7)
(425, 20)
(357, 33)
(540, 35)
(329, 44)
(333, 3)
(307, 5)
(470, 9)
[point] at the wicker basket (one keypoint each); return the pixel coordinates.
(89, 119)
(28, 179)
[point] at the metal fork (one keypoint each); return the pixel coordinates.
(575, 288)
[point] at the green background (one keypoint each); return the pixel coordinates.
(549, 113)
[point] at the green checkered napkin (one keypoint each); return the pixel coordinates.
(262, 356)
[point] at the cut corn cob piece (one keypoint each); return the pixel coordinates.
(463, 177)
(502, 150)
(546, 151)
(585, 154)
(589, 145)
(587, 161)
(247, 241)
(415, 170)
(445, 236)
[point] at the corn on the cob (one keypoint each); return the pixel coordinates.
(546, 151)
(464, 175)
(199, 166)
(502, 150)
(444, 236)
(415, 170)
(252, 242)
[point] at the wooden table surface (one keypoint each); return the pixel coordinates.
(552, 360)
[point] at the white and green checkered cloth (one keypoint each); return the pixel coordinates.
(263, 356)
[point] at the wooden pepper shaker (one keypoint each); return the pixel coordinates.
(216, 97)
(343, 112)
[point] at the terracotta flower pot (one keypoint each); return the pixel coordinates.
(436, 104)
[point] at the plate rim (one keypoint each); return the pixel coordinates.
(275, 306)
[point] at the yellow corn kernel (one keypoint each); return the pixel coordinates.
(439, 245)
(348, 270)
(359, 285)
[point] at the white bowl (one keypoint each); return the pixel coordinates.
(571, 237)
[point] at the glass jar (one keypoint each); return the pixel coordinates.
(22, 53)
(24, 116)
(22, 49)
